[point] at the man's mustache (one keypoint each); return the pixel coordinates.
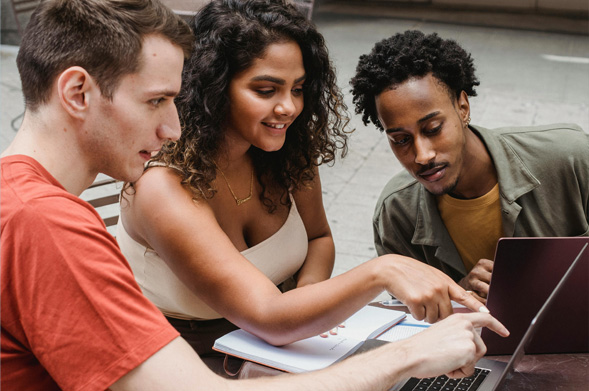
(430, 166)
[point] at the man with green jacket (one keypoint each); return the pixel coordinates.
(464, 186)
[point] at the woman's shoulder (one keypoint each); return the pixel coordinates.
(159, 181)
(159, 172)
(160, 192)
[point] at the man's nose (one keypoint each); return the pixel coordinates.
(169, 129)
(424, 151)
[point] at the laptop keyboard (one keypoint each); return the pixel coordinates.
(443, 383)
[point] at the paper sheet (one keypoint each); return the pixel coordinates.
(405, 329)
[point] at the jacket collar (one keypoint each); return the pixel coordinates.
(515, 180)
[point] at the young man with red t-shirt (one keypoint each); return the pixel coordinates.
(99, 79)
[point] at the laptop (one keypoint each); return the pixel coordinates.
(489, 374)
(526, 271)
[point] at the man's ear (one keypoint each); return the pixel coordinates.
(463, 107)
(73, 87)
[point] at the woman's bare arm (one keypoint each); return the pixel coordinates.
(187, 236)
(320, 258)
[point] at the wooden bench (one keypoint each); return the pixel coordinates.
(104, 195)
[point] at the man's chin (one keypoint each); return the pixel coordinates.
(439, 189)
(129, 176)
(134, 177)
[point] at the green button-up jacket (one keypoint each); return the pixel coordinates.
(543, 175)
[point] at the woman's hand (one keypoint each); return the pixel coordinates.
(333, 331)
(425, 290)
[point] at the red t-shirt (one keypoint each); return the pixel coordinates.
(72, 314)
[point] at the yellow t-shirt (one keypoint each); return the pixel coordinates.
(474, 225)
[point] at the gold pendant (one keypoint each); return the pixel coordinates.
(241, 201)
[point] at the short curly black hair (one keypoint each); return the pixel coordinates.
(394, 60)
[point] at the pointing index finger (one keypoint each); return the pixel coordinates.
(488, 321)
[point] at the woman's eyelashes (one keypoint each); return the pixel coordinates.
(267, 92)
(297, 91)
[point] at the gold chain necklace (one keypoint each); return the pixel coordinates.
(239, 201)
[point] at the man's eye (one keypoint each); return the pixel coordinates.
(433, 130)
(156, 102)
(399, 140)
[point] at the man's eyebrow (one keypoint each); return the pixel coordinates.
(425, 118)
(429, 116)
(276, 80)
(170, 93)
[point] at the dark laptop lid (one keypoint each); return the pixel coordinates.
(545, 312)
(498, 372)
(526, 271)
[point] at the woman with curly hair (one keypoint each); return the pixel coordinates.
(224, 218)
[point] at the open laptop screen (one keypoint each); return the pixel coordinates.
(526, 271)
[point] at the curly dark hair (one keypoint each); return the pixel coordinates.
(394, 60)
(230, 36)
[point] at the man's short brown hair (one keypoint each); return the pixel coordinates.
(102, 36)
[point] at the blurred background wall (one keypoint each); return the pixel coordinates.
(571, 10)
